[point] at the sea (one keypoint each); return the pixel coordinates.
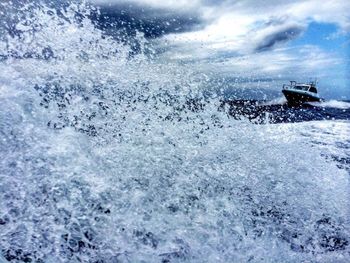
(109, 155)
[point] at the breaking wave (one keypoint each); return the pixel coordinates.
(332, 104)
(108, 155)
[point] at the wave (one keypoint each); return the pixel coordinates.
(110, 155)
(277, 101)
(332, 104)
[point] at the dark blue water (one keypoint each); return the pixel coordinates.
(263, 111)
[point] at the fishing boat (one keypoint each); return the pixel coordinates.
(298, 93)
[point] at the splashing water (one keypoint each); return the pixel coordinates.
(333, 104)
(110, 156)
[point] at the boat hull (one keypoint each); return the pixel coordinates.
(298, 98)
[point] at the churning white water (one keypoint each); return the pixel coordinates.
(108, 156)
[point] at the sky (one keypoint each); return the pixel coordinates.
(268, 40)
(258, 44)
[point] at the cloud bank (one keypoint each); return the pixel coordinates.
(242, 37)
(246, 37)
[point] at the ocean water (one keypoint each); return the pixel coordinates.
(108, 155)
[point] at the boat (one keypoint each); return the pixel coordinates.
(298, 93)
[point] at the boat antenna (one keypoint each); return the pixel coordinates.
(313, 83)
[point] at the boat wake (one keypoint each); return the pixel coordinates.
(277, 101)
(332, 104)
(273, 112)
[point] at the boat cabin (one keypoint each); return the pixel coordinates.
(311, 87)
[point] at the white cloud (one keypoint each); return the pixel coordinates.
(236, 27)
(232, 33)
(334, 11)
(168, 4)
(237, 30)
(301, 61)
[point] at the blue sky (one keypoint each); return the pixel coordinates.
(327, 37)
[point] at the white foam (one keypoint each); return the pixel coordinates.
(154, 181)
(276, 101)
(332, 104)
